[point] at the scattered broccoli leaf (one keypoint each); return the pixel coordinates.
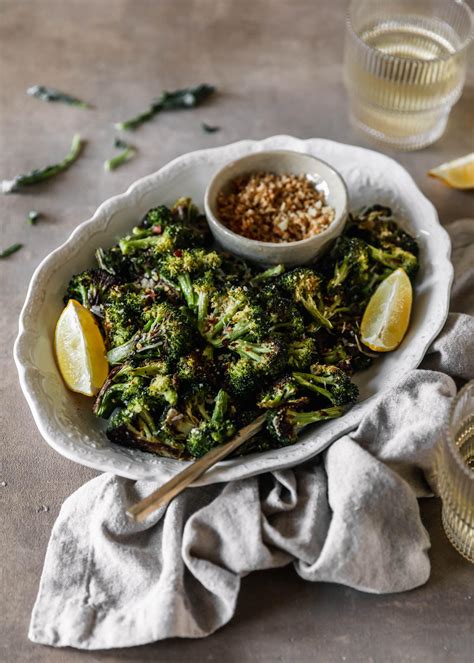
(177, 100)
(127, 153)
(209, 129)
(120, 144)
(39, 175)
(10, 250)
(52, 94)
(34, 216)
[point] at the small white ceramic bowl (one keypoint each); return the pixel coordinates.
(325, 179)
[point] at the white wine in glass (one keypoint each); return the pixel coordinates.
(404, 67)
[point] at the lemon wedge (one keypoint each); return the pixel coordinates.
(80, 350)
(385, 320)
(458, 174)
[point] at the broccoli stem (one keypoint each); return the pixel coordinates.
(40, 175)
(220, 325)
(220, 407)
(202, 308)
(106, 405)
(268, 274)
(187, 290)
(302, 419)
(148, 370)
(128, 246)
(148, 423)
(125, 155)
(121, 352)
(254, 351)
(341, 272)
(134, 122)
(313, 310)
(310, 384)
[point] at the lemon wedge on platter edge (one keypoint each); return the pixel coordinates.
(80, 350)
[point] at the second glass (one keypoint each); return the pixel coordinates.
(455, 473)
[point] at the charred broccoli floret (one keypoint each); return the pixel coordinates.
(376, 226)
(305, 287)
(233, 270)
(193, 410)
(150, 381)
(283, 390)
(90, 287)
(181, 268)
(285, 423)
(283, 316)
(270, 356)
(394, 257)
(302, 353)
(196, 368)
(167, 333)
(242, 376)
(258, 363)
(160, 240)
(212, 431)
(112, 261)
(133, 426)
(122, 315)
(351, 265)
(232, 315)
(346, 357)
(157, 216)
(330, 382)
(184, 211)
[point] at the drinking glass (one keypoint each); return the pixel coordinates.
(455, 473)
(404, 67)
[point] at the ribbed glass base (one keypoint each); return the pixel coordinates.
(459, 535)
(455, 473)
(403, 131)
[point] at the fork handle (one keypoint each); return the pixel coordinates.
(182, 480)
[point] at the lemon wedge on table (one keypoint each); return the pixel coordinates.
(458, 174)
(80, 350)
(386, 318)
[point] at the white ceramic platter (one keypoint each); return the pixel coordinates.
(65, 420)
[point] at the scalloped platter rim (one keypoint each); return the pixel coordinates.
(65, 420)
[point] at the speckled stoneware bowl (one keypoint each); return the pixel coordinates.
(65, 420)
(281, 162)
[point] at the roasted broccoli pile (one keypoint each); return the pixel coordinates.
(200, 342)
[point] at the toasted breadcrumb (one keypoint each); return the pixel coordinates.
(274, 208)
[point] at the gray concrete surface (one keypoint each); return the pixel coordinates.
(277, 64)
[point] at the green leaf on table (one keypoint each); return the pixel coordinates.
(209, 129)
(10, 250)
(40, 175)
(178, 100)
(34, 217)
(127, 153)
(52, 94)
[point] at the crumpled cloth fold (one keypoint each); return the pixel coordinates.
(348, 516)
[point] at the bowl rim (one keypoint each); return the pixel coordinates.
(253, 243)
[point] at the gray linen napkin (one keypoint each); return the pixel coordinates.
(348, 516)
